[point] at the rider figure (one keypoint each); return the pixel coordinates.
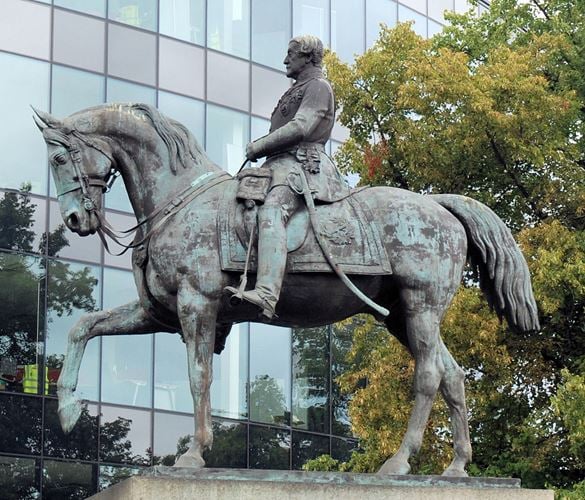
(300, 126)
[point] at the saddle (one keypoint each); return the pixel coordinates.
(347, 226)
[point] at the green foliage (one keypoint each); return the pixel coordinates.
(493, 108)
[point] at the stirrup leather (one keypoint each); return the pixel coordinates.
(253, 297)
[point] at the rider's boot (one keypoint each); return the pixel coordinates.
(272, 253)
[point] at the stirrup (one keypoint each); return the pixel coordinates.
(251, 296)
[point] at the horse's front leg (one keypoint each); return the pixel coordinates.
(198, 316)
(127, 319)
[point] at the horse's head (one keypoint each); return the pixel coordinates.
(81, 165)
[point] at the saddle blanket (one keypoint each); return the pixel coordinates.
(346, 226)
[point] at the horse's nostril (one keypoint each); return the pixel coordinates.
(73, 220)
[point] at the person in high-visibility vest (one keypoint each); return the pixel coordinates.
(30, 381)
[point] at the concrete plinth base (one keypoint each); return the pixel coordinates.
(161, 483)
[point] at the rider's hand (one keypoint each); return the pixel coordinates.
(250, 152)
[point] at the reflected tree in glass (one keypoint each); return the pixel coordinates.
(267, 401)
(112, 474)
(269, 448)
(307, 447)
(25, 470)
(229, 446)
(73, 481)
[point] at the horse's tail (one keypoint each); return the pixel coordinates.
(503, 272)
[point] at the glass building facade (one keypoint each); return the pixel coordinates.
(216, 66)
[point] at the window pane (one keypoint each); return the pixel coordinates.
(22, 292)
(131, 54)
(81, 443)
(20, 421)
(24, 83)
(120, 222)
(341, 339)
(189, 112)
(25, 469)
(420, 21)
(126, 359)
(230, 376)
(228, 26)
(341, 449)
(267, 88)
(310, 350)
(227, 134)
(229, 446)
(271, 31)
(269, 448)
(121, 91)
(420, 5)
(181, 68)
(306, 447)
(311, 17)
(437, 9)
(183, 19)
(125, 436)
(171, 380)
(379, 11)
(78, 40)
(260, 128)
(434, 28)
(22, 222)
(73, 290)
(172, 437)
(228, 81)
(25, 27)
(73, 481)
(95, 7)
(73, 90)
(140, 13)
(111, 474)
(347, 42)
(270, 374)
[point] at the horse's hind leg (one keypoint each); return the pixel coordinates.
(127, 319)
(421, 321)
(198, 317)
(453, 390)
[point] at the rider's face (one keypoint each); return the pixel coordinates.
(295, 62)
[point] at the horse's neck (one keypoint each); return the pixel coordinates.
(144, 163)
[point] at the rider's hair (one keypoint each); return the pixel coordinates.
(311, 46)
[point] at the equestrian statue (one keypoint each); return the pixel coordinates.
(314, 251)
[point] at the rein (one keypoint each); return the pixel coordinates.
(197, 187)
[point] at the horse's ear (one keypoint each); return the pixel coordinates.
(44, 120)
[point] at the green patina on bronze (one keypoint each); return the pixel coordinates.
(181, 198)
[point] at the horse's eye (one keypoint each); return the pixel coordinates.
(60, 159)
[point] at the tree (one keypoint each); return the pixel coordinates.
(493, 108)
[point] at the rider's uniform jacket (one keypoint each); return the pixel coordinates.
(300, 126)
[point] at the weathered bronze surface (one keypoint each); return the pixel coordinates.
(180, 196)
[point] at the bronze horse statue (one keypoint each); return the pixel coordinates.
(181, 283)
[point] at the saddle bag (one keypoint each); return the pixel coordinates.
(253, 184)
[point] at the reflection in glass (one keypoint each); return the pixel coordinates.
(126, 359)
(419, 21)
(341, 449)
(171, 380)
(125, 436)
(379, 11)
(229, 445)
(183, 19)
(347, 42)
(172, 437)
(420, 5)
(230, 373)
(26, 487)
(95, 7)
(434, 28)
(26, 82)
(73, 90)
(228, 133)
(271, 28)
(269, 448)
(121, 91)
(270, 369)
(20, 421)
(311, 17)
(22, 295)
(341, 339)
(306, 447)
(80, 443)
(141, 13)
(437, 9)
(73, 481)
(22, 222)
(73, 290)
(189, 112)
(310, 351)
(228, 26)
(112, 474)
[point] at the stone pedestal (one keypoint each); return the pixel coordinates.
(161, 483)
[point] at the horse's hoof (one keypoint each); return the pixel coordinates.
(190, 461)
(69, 414)
(394, 468)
